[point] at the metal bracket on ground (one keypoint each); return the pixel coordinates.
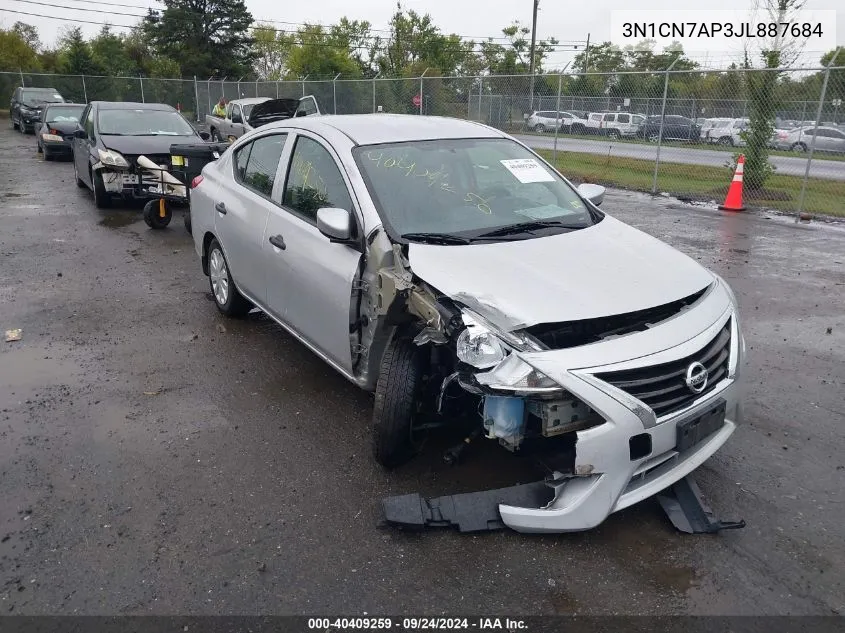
(686, 508)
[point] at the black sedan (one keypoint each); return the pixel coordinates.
(675, 128)
(110, 138)
(54, 133)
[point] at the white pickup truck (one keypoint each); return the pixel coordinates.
(243, 115)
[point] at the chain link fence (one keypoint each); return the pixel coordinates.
(677, 132)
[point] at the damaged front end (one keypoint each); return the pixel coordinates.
(602, 404)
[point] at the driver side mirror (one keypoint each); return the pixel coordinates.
(593, 193)
(335, 224)
(79, 133)
(205, 136)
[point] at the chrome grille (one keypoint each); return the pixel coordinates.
(663, 387)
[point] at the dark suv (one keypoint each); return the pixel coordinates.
(675, 128)
(27, 104)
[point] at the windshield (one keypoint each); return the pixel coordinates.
(143, 123)
(41, 96)
(64, 114)
(468, 188)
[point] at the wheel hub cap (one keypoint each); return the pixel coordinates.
(219, 277)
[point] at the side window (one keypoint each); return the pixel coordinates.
(229, 108)
(240, 161)
(236, 114)
(638, 119)
(314, 181)
(609, 116)
(262, 163)
(837, 134)
(624, 118)
(595, 117)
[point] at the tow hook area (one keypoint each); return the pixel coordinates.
(479, 511)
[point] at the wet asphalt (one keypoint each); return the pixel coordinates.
(156, 458)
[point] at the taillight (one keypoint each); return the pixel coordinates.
(196, 182)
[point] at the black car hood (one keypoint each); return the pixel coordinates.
(273, 110)
(136, 145)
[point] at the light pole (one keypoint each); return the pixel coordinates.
(533, 45)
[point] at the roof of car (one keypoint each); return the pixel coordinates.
(370, 129)
(131, 105)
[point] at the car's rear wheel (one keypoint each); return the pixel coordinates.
(102, 199)
(613, 135)
(397, 403)
(229, 301)
(799, 147)
(540, 128)
(187, 219)
(653, 137)
(726, 140)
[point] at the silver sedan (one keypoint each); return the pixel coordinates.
(452, 271)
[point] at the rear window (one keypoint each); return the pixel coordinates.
(63, 114)
(41, 95)
(624, 118)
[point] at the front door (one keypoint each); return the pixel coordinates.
(82, 146)
(309, 278)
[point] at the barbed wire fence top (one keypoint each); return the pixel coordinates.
(675, 131)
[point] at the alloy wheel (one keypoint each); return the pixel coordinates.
(219, 274)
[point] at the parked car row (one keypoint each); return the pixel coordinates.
(615, 125)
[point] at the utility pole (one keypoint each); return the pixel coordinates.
(533, 44)
(587, 55)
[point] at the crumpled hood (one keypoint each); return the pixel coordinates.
(607, 269)
(135, 145)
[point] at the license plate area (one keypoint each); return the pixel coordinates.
(130, 179)
(692, 431)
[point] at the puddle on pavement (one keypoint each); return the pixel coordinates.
(118, 220)
(678, 579)
(9, 194)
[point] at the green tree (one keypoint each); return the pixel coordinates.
(75, 56)
(272, 48)
(16, 53)
(205, 37)
(109, 52)
(29, 34)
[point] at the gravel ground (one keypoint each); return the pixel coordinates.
(156, 458)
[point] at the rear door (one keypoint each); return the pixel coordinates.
(82, 146)
(241, 209)
(309, 280)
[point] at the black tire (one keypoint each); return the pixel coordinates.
(235, 304)
(540, 128)
(726, 140)
(102, 199)
(798, 147)
(396, 403)
(653, 137)
(187, 219)
(48, 156)
(39, 149)
(79, 182)
(613, 135)
(153, 217)
(577, 128)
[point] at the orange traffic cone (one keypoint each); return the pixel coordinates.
(733, 201)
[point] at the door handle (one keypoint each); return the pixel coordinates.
(278, 241)
(220, 207)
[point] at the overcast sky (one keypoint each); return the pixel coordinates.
(569, 22)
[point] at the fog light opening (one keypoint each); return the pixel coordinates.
(640, 446)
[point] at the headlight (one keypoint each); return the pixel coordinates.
(55, 138)
(112, 158)
(479, 347)
(514, 374)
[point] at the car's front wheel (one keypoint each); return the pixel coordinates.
(397, 403)
(229, 301)
(799, 147)
(613, 135)
(102, 199)
(653, 137)
(540, 128)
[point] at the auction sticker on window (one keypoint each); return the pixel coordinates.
(527, 170)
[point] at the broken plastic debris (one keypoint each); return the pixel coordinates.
(14, 335)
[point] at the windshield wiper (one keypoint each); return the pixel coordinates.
(527, 227)
(435, 238)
